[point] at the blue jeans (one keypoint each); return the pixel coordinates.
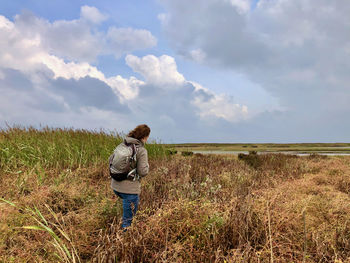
(128, 212)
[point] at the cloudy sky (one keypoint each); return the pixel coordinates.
(194, 71)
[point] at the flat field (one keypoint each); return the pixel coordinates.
(264, 147)
(56, 204)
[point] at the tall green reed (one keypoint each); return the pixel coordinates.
(60, 147)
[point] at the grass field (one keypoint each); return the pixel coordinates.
(56, 204)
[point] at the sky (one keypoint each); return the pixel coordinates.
(226, 71)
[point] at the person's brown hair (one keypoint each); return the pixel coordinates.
(140, 132)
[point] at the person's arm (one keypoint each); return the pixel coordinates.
(142, 162)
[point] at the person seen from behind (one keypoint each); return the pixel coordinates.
(128, 164)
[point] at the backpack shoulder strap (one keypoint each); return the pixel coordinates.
(133, 147)
(110, 159)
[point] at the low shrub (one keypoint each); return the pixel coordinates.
(185, 153)
(171, 152)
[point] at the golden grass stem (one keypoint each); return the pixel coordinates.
(270, 236)
(304, 222)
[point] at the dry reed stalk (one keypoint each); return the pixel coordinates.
(270, 236)
(304, 221)
(166, 240)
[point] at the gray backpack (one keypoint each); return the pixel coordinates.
(123, 161)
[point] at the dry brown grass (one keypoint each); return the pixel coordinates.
(193, 209)
(176, 228)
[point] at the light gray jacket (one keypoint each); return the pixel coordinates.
(134, 187)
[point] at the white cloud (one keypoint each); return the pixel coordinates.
(42, 86)
(128, 88)
(71, 69)
(219, 106)
(164, 18)
(92, 14)
(24, 50)
(17, 51)
(243, 6)
(70, 39)
(2, 75)
(160, 71)
(77, 40)
(5, 24)
(124, 40)
(198, 55)
(296, 52)
(28, 56)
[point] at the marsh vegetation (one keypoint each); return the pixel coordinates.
(263, 147)
(56, 204)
